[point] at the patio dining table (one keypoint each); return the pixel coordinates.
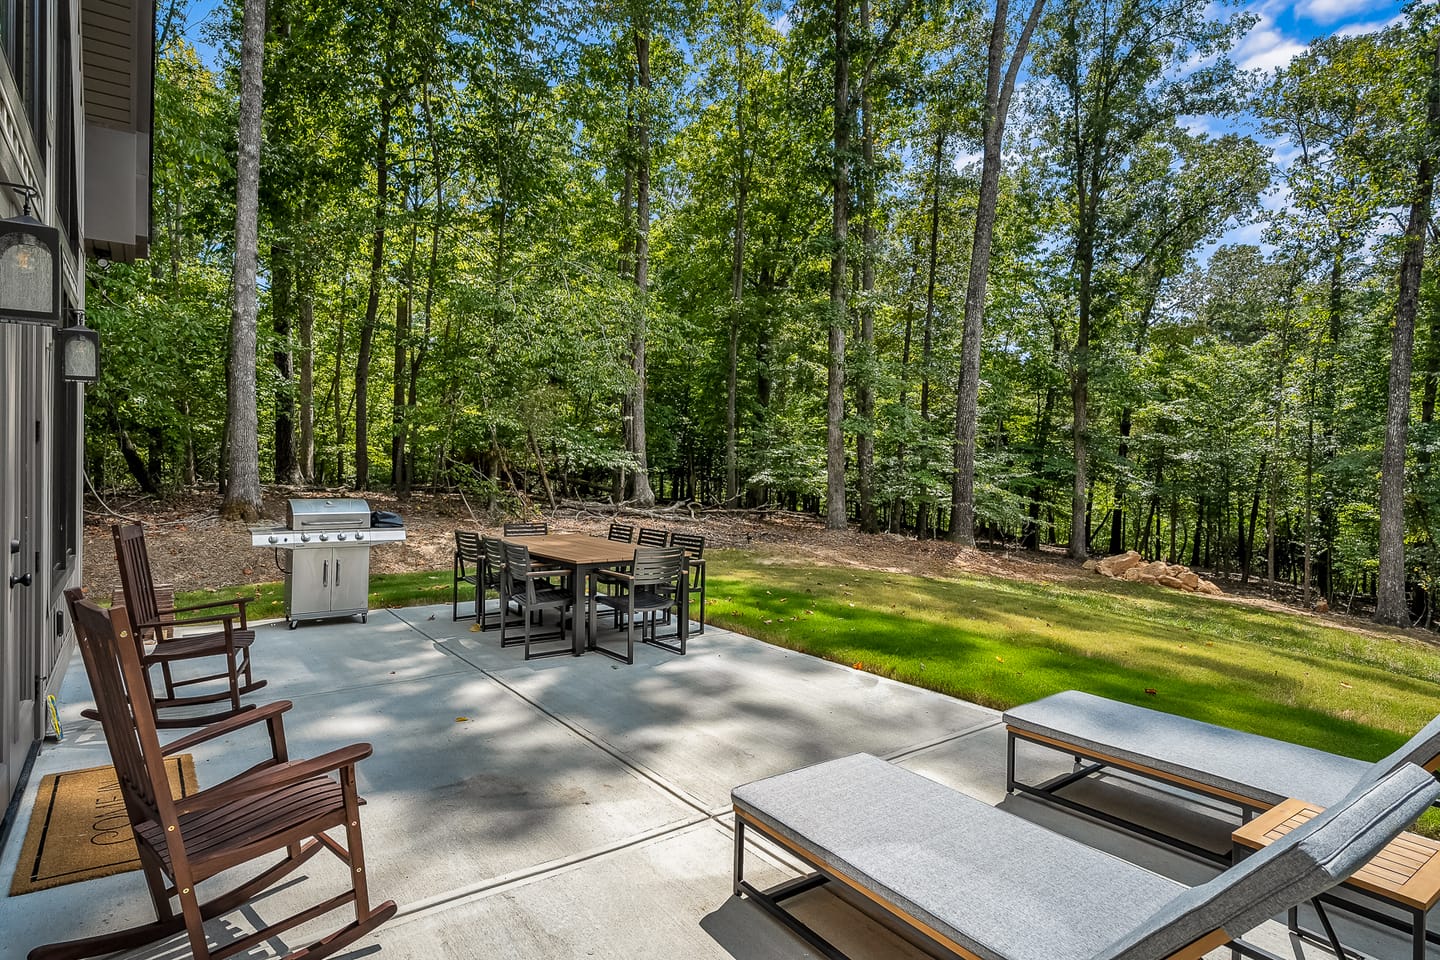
(583, 556)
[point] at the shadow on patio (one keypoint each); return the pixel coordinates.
(567, 807)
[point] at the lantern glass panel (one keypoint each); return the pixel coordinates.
(27, 274)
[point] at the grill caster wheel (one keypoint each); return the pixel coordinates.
(364, 618)
(294, 624)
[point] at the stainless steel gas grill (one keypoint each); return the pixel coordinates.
(328, 541)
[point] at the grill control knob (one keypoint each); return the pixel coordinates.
(324, 537)
(304, 538)
(359, 535)
(339, 536)
(274, 539)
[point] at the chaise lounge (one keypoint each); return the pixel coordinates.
(984, 884)
(1245, 770)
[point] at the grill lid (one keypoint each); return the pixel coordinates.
(330, 514)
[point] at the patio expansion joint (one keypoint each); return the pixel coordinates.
(527, 875)
(637, 768)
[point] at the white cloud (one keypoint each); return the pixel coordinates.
(1265, 48)
(1360, 29)
(1329, 11)
(963, 160)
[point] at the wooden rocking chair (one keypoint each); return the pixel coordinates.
(277, 806)
(156, 622)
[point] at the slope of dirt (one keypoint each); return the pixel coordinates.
(192, 548)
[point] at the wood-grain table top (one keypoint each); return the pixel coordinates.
(577, 549)
(1406, 872)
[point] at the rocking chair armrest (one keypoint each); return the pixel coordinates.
(270, 711)
(191, 621)
(273, 778)
(210, 604)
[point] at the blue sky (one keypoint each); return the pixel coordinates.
(1281, 31)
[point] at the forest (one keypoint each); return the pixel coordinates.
(949, 269)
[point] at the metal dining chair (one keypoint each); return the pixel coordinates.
(694, 546)
(469, 568)
(531, 592)
(653, 588)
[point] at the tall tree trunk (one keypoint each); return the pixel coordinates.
(242, 492)
(737, 271)
(1080, 390)
(307, 381)
(1390, 606)
(641, 492)
(372, 302)
(967, 396)
(282, 308)
(399, 470)
(836, 515)
(865, 400)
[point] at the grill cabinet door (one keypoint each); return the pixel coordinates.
(350, 580)
(310, 583)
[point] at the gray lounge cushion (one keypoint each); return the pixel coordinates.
(1309, 861)
(1260, 768)
(1000, 886)
(1421, 749)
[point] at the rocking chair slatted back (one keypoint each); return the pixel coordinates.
(122, 695)
(135, 578)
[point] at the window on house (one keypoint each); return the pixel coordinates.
(23, 33)
(64, 503)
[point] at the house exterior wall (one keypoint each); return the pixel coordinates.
(43, 133)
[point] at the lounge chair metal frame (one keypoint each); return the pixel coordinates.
(811, 825)
(772, 902)
(1089, 763)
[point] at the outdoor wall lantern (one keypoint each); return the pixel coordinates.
(29, 265)
(79, 351)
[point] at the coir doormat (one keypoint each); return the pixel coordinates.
(79, 829)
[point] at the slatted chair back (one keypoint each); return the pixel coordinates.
(657, 565)
(538, 528)
(652, 537)
(135, 577)
(692, 543)
(467, 547)
(494, 550)
(127, 714)
(517, 565)
(622, 532)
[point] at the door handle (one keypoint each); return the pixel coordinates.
(325, 574)
(337, 571)
(24, 581)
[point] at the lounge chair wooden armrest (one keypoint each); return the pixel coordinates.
(270, 711)
(545, 574)
(271, 778)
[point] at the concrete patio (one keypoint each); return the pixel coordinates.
(580, 807)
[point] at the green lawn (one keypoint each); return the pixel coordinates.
(1005, 642)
